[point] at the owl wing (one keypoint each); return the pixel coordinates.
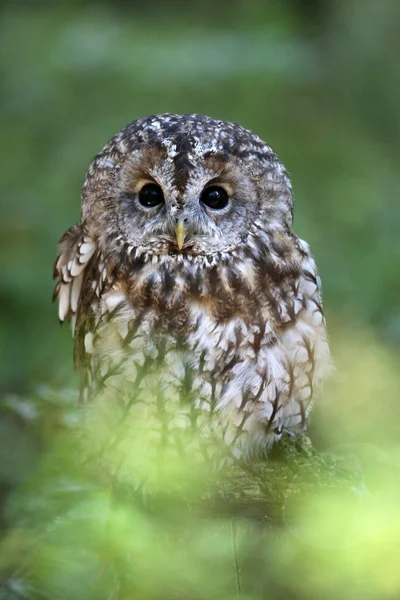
(306, 340)
(297, 364)
(310, 288)
(76, 251)
(75, 269)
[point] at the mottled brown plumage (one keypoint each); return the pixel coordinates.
(222, 332)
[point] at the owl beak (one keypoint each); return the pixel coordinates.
(180, 233)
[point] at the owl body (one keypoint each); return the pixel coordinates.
(192, 301)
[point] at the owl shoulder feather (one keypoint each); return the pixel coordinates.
(310, 281)
(76, 253)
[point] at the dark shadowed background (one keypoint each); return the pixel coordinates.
(318, 80)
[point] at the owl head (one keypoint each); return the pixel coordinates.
(189, 185)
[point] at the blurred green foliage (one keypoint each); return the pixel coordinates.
(323, 88)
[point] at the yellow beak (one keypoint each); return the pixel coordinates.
(180, 233)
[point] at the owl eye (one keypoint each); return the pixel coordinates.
(215, 197)
(151, 195)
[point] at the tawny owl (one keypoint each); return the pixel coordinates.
(189, 294)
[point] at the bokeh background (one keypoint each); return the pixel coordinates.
(319, 80)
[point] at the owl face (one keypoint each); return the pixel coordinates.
(189, 185)
(210, 210)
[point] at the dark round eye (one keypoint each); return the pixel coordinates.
(215, 197)
(151, 195)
